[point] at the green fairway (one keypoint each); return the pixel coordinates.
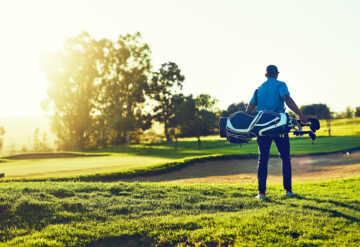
(145, 158)
(340, 127)
(75, 166)
(144, 214)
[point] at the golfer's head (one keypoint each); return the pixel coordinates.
(272, 71)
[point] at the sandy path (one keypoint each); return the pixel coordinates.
(305, 169)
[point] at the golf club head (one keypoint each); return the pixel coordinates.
(312, 135)
(314, 124)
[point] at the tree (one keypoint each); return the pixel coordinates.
(123, 87)
(196, 117)
(164, 90)
(2, 132)
(234, 108)
(97, 90)
(40, 144)
(357, 111)
(349, 113)
(72, 74)
(319, 111)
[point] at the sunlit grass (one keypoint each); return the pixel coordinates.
(155, 214)
(340, 127)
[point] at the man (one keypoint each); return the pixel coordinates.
(271, 96)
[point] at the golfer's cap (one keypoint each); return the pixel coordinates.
(272, 69)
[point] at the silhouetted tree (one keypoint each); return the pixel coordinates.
(319, 111)
(357, 111)
(234, 108)
(196, 117)
(166, 83)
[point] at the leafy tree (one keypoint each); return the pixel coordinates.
(349, 113)
(166, 83)
(72, 74)
(97, 90)
(123, 88)
(234, 108)
(40, 144)
(357, 111)
(319, 111)
(196, 117)
(2, 132)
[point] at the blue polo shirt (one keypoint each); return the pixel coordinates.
(269, 96)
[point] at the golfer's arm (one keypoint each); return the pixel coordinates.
(292, 105)
(250, 108)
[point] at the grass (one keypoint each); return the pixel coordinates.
(216, 146)
(132, 160)
(122, 160)
(341, 127)
(74, 213)
(144, 214)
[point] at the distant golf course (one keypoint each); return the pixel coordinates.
(168, 194)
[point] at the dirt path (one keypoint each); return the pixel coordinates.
(305, 169)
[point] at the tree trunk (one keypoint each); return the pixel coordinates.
(120, 138)
(199, 141)
(328, 121)
(168, 138)
(176, 142)
(127, 138)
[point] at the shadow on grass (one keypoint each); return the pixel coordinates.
(134, 240)
(332, 212)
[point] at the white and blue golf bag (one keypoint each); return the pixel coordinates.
(241, 127)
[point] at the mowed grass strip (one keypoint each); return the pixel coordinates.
(144, 214)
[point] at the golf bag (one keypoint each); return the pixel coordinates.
(241, 127)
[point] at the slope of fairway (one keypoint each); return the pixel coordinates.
(154, 214)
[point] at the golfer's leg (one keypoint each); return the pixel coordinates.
(283, 146)
(264, 144)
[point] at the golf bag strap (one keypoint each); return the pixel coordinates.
(256, 96)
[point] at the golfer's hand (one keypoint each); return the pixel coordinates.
(303, 118)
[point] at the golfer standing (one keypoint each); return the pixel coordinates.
(271, 96)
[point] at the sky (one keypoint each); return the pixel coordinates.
(222, 47)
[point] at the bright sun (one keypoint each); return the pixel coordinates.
(25, 35)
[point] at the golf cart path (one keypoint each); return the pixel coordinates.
(304, 169)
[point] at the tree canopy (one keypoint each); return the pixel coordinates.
(71, 73)
(319, 111)
(165, 88)
(235, 107)
(97, 89)
(195, 116)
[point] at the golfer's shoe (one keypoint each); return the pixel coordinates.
(289, 193)
(260, 197)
